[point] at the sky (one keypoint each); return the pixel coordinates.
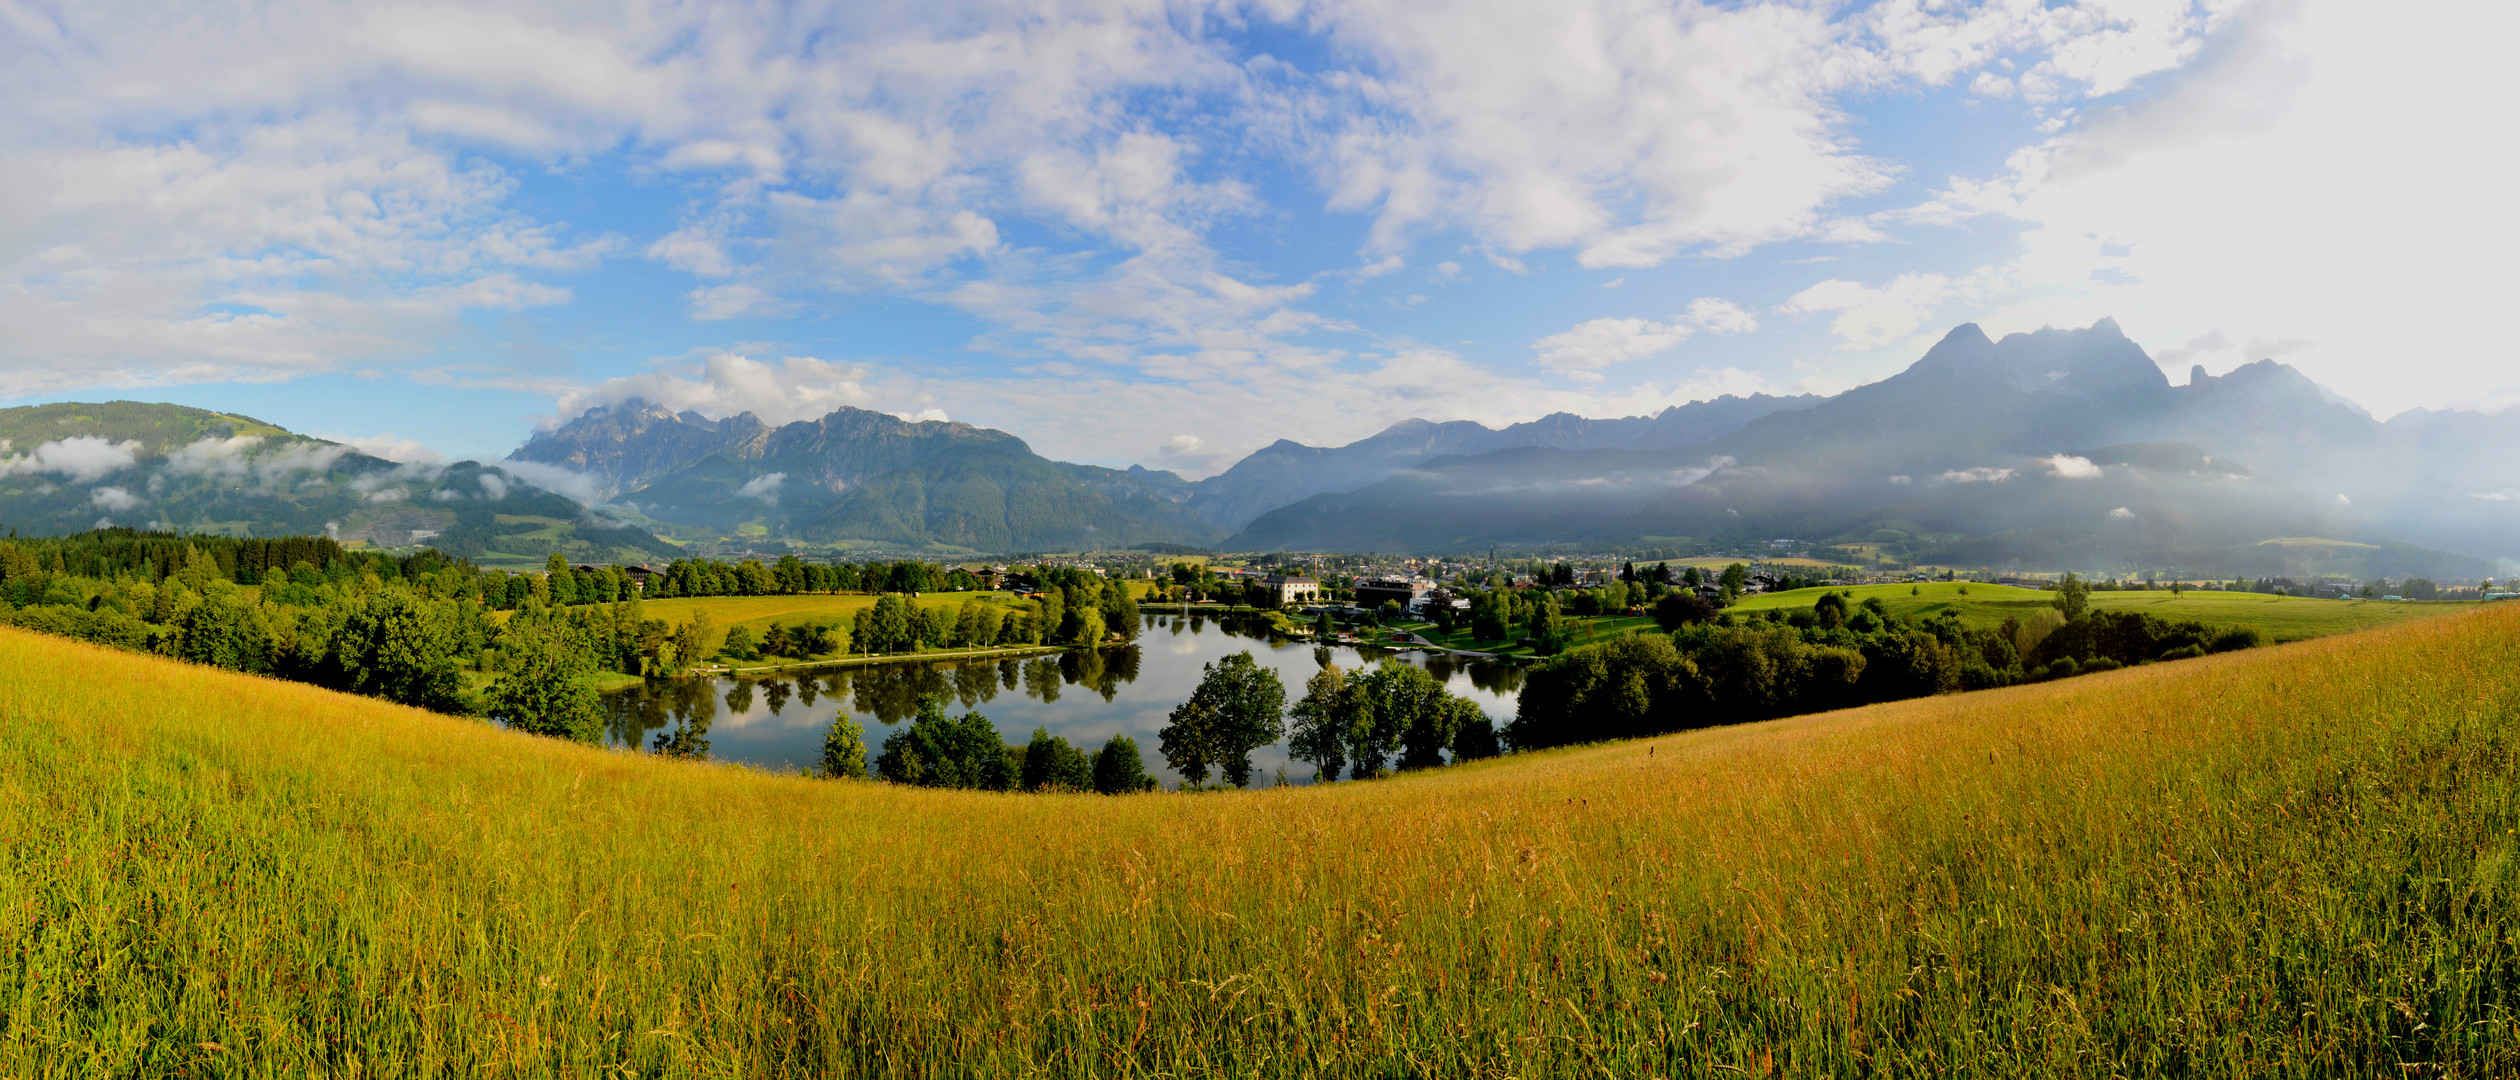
(1171, 233)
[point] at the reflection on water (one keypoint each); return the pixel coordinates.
(1087, 696)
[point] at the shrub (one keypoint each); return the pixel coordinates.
(2235, 639)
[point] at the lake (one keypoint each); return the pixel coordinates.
(1085, 696)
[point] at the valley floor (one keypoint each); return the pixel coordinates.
(2293, 861)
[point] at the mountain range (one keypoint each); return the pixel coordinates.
(2059, 445)
(73, 466)
(2047, 448)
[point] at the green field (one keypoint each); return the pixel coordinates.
(2282, 618)
(758, 612)
(2290, 861)
(1584, 630)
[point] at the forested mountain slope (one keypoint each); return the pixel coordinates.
(73, 466)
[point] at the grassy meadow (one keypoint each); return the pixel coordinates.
(2293, 861)
(2282, 618)
(758, 612)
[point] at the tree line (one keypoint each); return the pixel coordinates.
(405, 627)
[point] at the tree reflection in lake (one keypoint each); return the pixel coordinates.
(1084, 696)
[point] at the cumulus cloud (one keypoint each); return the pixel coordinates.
(1871, 316)
(1581, 353)
(81, 458)
(113, 498)
(2071, 467)
(1179, 445)
(725, 384)
(2121, 514)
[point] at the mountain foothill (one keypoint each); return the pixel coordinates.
(2053, 448)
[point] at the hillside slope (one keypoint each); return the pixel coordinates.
(2299, 854)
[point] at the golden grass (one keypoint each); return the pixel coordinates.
(2288, 861)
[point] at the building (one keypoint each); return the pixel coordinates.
(1284, 589)
(1371, 592)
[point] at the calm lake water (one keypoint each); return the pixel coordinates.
(1085, 696)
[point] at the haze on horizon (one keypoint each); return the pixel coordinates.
(1171, 233)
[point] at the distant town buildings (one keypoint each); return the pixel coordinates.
(1371, 592)
(1286, 589)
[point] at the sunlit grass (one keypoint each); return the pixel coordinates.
(2289, 861)
(2282, 618)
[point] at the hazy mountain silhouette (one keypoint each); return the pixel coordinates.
(2060, 443)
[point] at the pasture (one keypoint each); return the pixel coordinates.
(2282, 618)
(2294, 860)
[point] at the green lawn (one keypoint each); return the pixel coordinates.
(2281, 618)
(821, 609)
(1585, 631)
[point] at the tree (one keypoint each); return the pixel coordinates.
(1119, 769)
(542, 694)
(1474, 735)
(1412, 713)
(1238, 707)
(844, 749)
(396, 646)
(935, 750)
(1321, 721)
(1678, 609)
(2073, 597)
(1050, 764)
(1736, 579)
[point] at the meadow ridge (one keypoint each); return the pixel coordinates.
(2281, 618)
(2287, 861)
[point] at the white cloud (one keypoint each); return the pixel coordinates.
(724, 384)
(2227, 209)
(113, 499)
(80, 458)
(1181, 445)
(250, 458)
(764, 487)
(391, 447)
(1985, 474)
(1581, 353)
(1870, 317)
(2121, 514)
(2071, 467)
(560, 481)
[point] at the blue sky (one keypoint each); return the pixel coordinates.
(1169, 233)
